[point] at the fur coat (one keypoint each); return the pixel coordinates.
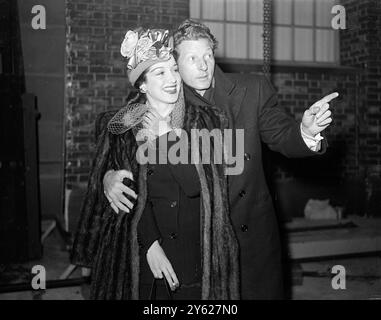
(107, 242)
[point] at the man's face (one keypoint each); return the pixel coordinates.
(196, 63)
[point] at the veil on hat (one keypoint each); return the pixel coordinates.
(131, 117)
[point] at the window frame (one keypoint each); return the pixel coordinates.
(292, 62)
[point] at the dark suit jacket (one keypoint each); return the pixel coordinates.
(251, 104)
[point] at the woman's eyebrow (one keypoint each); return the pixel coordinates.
(156, 68)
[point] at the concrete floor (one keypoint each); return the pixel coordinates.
(363, 279)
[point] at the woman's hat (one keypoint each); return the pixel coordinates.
(144, 48)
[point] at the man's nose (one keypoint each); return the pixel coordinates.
(203, 66)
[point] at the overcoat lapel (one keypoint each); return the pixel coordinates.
(228, 95)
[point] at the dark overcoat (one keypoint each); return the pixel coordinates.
(172, 216)
(251, 103)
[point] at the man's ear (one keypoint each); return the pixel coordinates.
(143, 88)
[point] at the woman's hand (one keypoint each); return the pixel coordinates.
(155, 123)
(159, 264)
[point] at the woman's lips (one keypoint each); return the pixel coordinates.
(171, 90)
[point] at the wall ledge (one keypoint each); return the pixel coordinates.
(249, 66)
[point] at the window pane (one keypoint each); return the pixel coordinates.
(325, 45)
(304, 12)
(323, 12)
(282, 11)
(282, 43)
(236, 41)
(217, 30)
(256, 42)
(256, 11)
(236, 10)
(213, 9)
(194, 9)
(303, 47)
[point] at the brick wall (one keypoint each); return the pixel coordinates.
(361, 47)
(96, 81)
(351, 168)
(354, 137)
(96, 73)
(297, 91)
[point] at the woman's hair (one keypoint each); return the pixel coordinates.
(136, 96)
(193, 30)
(142, 78)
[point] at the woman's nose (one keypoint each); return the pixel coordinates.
(172, 77)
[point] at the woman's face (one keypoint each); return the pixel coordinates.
(162, 83)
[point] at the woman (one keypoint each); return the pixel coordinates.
(190, 242)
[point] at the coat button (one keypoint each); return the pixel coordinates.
(173, 235)
(242, 193)
(150, 172)
(247, 156)
(244, 228)
(173, 204)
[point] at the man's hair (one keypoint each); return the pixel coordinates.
(193, 30)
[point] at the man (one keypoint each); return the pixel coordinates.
(250, 104)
